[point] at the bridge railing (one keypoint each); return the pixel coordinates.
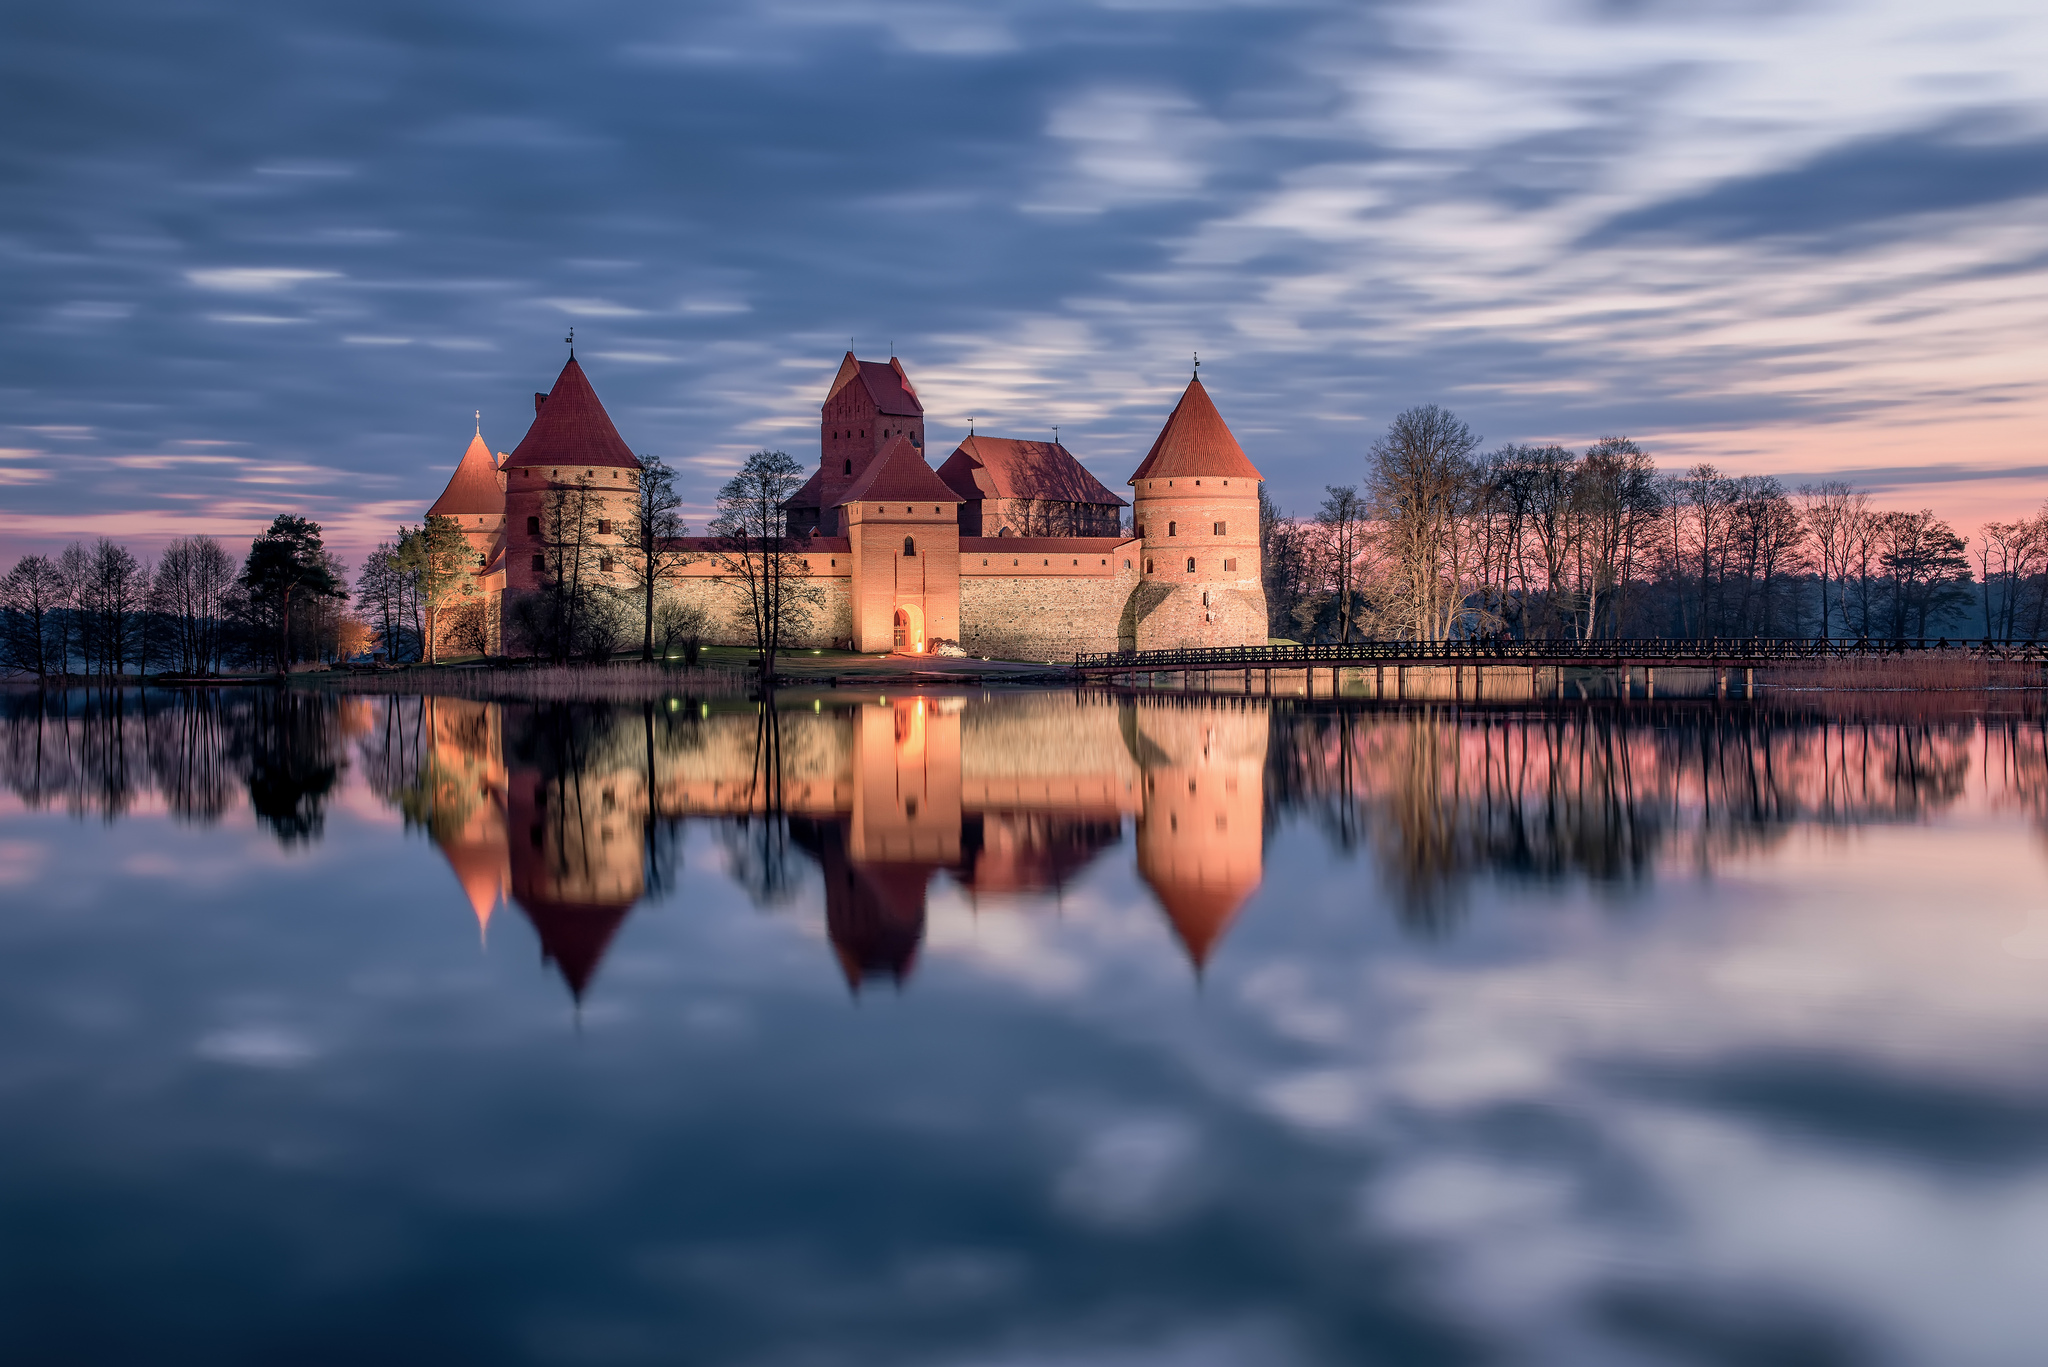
(1645, 650)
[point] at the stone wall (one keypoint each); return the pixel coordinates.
(724, 603)
(1041, 617)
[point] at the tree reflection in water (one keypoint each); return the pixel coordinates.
(575, 812)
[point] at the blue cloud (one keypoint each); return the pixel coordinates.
(1872, 185)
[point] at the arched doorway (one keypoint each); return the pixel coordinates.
(910, 629)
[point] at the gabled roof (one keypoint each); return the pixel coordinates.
(887, 385)
(999, 467)
(473, 488)
(1195, 441)
(809, 494)
(899, 474)
(571, 428)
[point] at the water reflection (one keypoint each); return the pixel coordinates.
(1432, 1102)
(574, 813)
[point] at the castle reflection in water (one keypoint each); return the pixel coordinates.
(574, 813)
(552, 810)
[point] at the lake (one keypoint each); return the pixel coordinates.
(1031, 1028)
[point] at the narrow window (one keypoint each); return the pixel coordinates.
(539, 563)
(1198, 484)
(1148, 567)
(1127, 562)
(1230, 567)
(604, 564)
(1191, 564)
(1205, 598)
(604, 526)
(909, 546)
(849, 465)
(1221, 529)
(1173, 529)
(533, 526)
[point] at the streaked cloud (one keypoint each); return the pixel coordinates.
(1788, 237)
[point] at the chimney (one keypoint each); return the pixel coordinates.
(538, 400)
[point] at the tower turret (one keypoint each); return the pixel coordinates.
(1196, 507)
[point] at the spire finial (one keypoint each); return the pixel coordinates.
(1198, 365)
(479, 422)
(1055, 434)
(571, 340)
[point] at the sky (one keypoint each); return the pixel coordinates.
(269, 258)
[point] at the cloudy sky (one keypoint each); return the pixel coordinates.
(271, 257)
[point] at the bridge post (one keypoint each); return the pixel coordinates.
(1721, 684)
(1478, 682)
(1749, 682)
(1400, 683)
(1269, 681)
(1457, 683)
(1650, 682)
(1379, 683)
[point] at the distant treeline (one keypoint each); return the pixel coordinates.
(1441, 541)
(102, 611)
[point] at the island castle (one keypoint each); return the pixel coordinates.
(1011, 549)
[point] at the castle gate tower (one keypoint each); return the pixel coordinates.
(904, 526)
(1197, 512)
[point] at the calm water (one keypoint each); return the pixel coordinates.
(1040, 1030)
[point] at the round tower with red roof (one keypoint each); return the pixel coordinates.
(1197, 513)
(572, 458)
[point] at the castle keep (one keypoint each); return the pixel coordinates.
(1011, 549)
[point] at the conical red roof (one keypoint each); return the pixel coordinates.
(473, 488)
(899, 475)
(572, 428)
(1200, 913)
(1195, 441)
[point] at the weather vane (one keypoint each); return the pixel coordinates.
(571, 340)
(1055, 434)
(1198, 365)
(479, 422)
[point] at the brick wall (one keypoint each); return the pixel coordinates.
(1042, 616)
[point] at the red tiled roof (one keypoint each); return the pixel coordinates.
(572, 428)
(999, 467)
(1045, 545)
(1195, 441)
(574, 935)
(898, 475)
(887, 385)
(473, 488)
(807, 497)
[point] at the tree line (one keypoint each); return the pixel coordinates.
(103, 612)
(1440, 541)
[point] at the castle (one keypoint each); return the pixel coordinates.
(1010, 549)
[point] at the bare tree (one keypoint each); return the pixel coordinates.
(1835, 516)
(1345, 527)
(648, 545)
(33, 596)
(1419, 477)
(190, 591)
(755, 550)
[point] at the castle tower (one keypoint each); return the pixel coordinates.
(1201, 834)
(1197, 511)
(904, 525)
(869, 405)
(571, 447)
(475, 498)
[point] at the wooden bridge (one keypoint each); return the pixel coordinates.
(1721, 654)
